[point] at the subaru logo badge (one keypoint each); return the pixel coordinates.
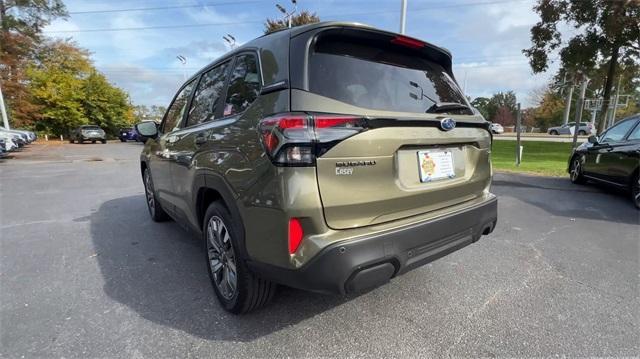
(447, 124)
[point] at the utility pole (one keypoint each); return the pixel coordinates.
(518, 147)
(579, 107)
(567, 105)
(615, 103)
(3, 111)
(403, 16)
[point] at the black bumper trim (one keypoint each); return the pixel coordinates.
(370, 261)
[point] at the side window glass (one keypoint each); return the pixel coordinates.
(635, 134)
(244, 85)
(205, 100)
(617, 132)
(177, 108)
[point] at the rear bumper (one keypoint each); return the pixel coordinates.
(369, 261)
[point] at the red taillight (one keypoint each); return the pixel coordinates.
(296, 139)
(295, 235)
(408, 42)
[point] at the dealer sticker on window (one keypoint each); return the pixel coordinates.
(435, 165)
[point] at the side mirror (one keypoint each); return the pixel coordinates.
(147, 130)
(593, 140)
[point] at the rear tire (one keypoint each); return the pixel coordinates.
(582, 133)
(103, 141)
(71, 140)
(123, 140)
(575, 170)
(155, 209)
(80, 141)
(226, 263)
(553, 133)
(635, 190)
(94, 141)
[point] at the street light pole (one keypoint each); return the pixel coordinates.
(579, 108)
(403, 15)
(183, 60)
(288, 15)
(3, 111)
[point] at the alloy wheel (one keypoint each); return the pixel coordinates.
(576, 169)
(222, 259)
(636, 191)
(148, 189)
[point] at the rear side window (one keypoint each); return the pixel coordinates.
(244, 85)
(635, 134)
(365, 75)
(617, 132)
(207, 95)
(177, 108)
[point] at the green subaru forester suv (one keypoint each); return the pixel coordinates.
(329, 157)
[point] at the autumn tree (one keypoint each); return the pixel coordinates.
(21, 23)
(302, 18)
(69, 91)
(606, 32)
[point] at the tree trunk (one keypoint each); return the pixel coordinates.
(611, 72)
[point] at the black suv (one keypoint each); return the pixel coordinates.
(329, 157)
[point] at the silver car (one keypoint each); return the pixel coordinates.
(586, 128)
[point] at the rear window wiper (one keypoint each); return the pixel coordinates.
(447, 106)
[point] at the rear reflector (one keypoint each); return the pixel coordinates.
(295, 235)
(408, 42)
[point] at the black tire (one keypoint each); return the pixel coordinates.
(71, 140)
(94, 141)
(554, 133)
(123, 140)
(635, 190)
(156, 211)
(103, 141)
(80, 141)
(582, 133)
(250, 292)
(575, 170)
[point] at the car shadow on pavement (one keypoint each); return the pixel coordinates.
(560, 197)
(159, 271)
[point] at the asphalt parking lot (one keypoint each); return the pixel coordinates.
(84, 272)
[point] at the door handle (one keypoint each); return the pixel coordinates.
(200, 139)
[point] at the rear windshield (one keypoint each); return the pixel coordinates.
(373, 77)
(90, 127)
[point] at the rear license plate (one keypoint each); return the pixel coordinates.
(435, 165)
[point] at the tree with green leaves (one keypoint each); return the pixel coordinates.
(21, 23)
(69, 91)
(302, 18)
(606, 33)
(501, 107)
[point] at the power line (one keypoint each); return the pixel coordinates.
(155, 8)
(260, 21)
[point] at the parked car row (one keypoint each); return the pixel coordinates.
(11, 140)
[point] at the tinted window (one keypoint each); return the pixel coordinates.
(244, 85)
(90, 127)
(368, 76)
(617, 132)
(635, 134)
(205, 100)
(177, 108)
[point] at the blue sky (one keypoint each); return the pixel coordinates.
(485, 36)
